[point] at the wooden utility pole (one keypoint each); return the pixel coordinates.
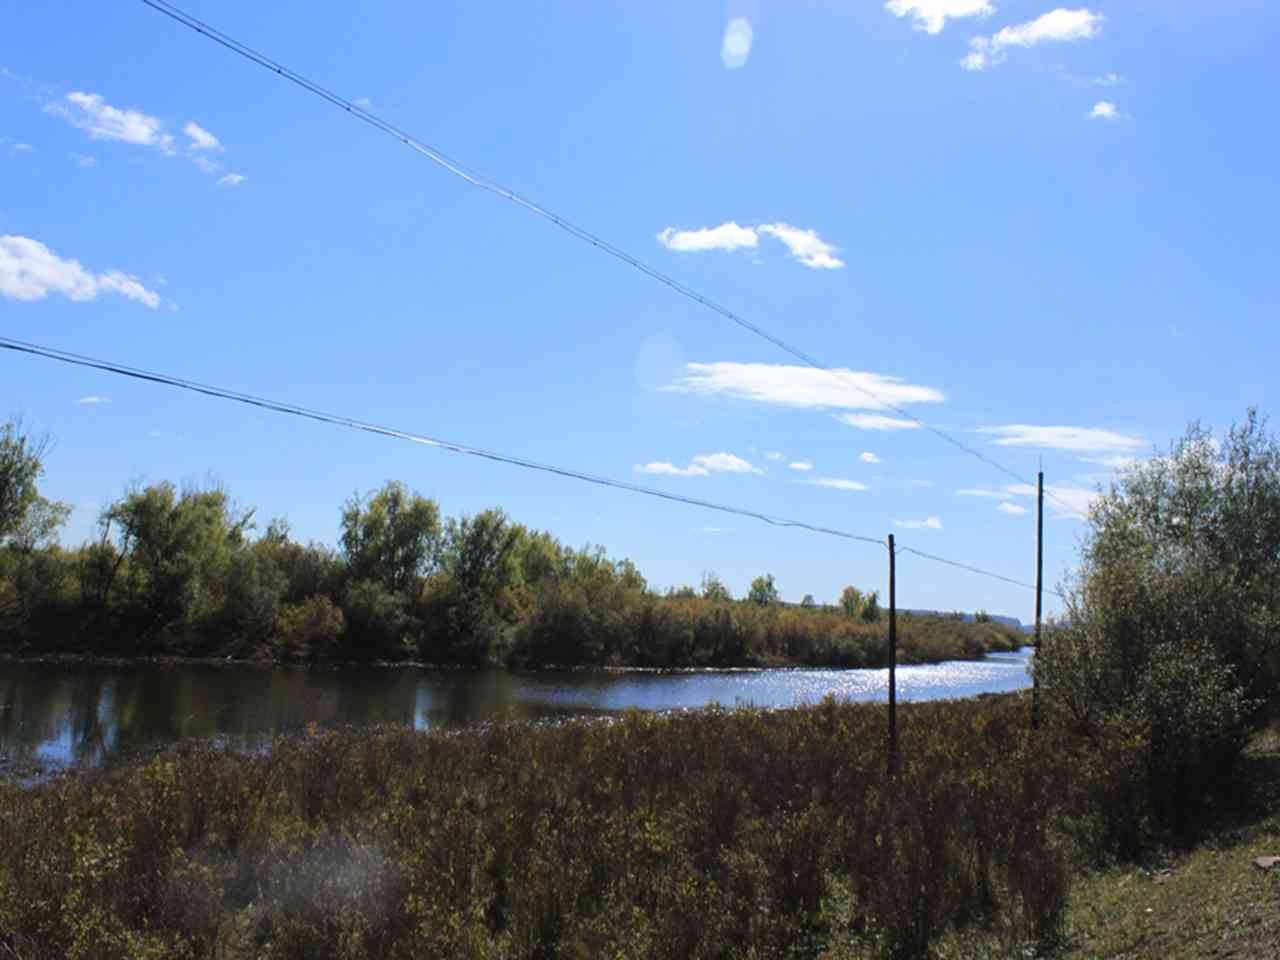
(1035, 679)
(893, 662)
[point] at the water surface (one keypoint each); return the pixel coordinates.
(56, 715)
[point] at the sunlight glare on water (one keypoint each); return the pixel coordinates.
(52, 716)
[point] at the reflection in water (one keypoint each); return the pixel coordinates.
(55, 715)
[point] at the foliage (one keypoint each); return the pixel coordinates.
(175, 552)
(763, 592)
(308, 630)
(740, 833)
(714, 589)
(178, 573)
(476, 601)
(392, 538)
(21, 464)
(1171, 625)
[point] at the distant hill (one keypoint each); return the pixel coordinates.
(1011, 621)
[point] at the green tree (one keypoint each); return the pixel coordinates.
(763, 592)
(37, 569)
(808, 602)
(477, 595)
(851, 602)
(1172, 622)
(713, 588)
(21, 465)
(392, 538)
(174, 552)
(870, 612)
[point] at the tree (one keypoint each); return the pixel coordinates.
(808, 602)
(870, 612)
(392, 538)
(36, 571)
(713, 588)
(764, 591)
(21, 465)
(476, 595)
(175, 552)
(851, 602)
(1171, 623)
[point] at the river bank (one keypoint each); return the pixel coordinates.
(703, 833)
(76, 713)
(707, 833)
(171, 661)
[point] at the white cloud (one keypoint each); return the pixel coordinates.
(31, 271)
(91, 400)
(104, 122)
(703, 465)
(1056, 26)
(1080, 439)
(84, 160)
(206, 165)
(670, 470)
(802, 465)
(932, 15)
(929, 523)
(364, 103)
(724, 463)
(736, 45)
(91, 113)
(868, 457)
(1066, 503)
(837, 484)
(805, 245)
(806, 387)
(201, 139)
(774, 455)
(1069, 503)
(1104, 110)
(874, 421)
(1108, 80)
(21, 148)
(727, 236)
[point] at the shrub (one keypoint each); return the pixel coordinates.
(377, 622)
(310, 630)
(710, 834)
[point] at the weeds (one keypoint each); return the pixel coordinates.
(709, 834)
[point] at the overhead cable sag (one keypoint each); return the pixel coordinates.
(276, 406)
(351, 423)
(457, 169)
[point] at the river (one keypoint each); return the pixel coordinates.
(57, 715)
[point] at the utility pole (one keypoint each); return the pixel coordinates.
(893, 663)
(1035, 679)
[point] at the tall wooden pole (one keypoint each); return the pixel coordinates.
(893, 662)
(1035, 680)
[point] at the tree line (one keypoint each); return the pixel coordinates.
(188, 572)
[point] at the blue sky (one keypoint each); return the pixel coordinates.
(1049, 232)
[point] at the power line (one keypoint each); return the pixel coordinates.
(977, 570)
(457, 169)
(276, 406)
(351, 423)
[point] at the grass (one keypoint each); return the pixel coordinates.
(708, 834)
(716, 833)
(1209, 902)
